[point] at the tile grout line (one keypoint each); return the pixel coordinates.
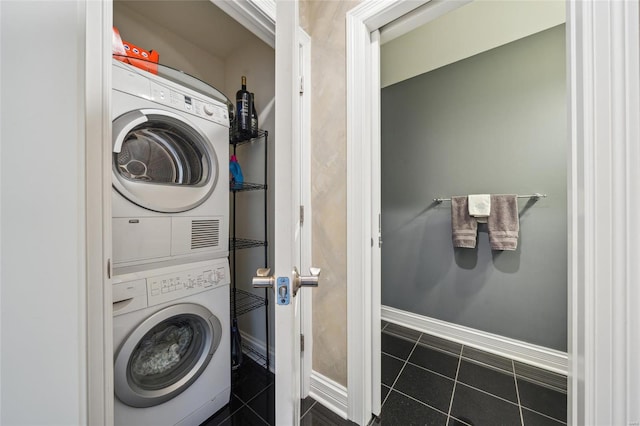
(480, 363)
(400, 372)
(259, 416)
(488, 365)
(431, 371)
(246, 404)
(542, 384)
(488, 393)
(309, 409)
(455, 382)
(419, 402)
(257, 394)
(421, 367)
(515, 380)
(560, 422)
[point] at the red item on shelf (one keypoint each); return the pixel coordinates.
(134, 55)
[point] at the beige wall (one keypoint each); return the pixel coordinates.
(325, 22)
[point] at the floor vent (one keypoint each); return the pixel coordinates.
(205, 234)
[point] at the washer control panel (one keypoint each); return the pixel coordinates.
(166, 287)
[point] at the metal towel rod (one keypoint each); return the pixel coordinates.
(536, 196)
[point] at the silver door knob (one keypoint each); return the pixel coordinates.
(263, 279)
(305, 281)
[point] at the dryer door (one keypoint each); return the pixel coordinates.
(165, 354)
(162, 162)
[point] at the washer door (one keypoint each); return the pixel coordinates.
(165, 354)
(161, 161)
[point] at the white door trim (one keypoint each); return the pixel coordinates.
(97, 127)
(306, 326)
(362, 298)
(604, 183)
(258, 16)
(604, 188)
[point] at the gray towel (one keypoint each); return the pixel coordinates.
(464, 228)
(503, 223)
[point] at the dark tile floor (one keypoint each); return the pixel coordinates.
(253, 402)
(425, 381)
(428, 380)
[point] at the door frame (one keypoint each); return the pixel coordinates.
(97, 118)
(603, 188)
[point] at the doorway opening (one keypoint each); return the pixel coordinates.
(479, 114)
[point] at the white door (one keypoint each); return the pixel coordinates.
(284, 278)
(287, 226)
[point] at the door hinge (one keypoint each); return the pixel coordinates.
(301, 84)
(379, 230)
(302, 343)
(301, 215)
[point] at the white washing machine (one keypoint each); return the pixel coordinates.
(170, 156)
(171, 338)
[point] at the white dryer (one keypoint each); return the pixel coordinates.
(170, 156)
(172, 344)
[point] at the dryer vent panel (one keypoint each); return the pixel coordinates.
(198, 235)
(205, 234)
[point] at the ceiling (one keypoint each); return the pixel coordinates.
(199, 21)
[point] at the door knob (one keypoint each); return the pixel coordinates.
(263, 279)
(305, 281)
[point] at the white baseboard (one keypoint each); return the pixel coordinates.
(329, 393)
(548, 359)
(253, 344)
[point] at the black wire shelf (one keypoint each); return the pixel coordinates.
(245, 243)
(254, 354)
(246, 186)
(235, 139)
(246, 302)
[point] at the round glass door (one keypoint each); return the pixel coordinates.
(165, 354)
(161, 162)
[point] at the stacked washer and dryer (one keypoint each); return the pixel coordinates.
(170, 246)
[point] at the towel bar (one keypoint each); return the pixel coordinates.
(536, 196)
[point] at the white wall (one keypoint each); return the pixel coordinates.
(256, 61)
(471, 29)
(43, 333)
(174, 50)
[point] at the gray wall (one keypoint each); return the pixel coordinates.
(492, 123)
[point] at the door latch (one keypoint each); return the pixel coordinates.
(283, 291)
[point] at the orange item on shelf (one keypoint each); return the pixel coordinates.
(134, 55)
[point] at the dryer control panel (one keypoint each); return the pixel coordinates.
(133, 81)
(172, 286)
(204, 109)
